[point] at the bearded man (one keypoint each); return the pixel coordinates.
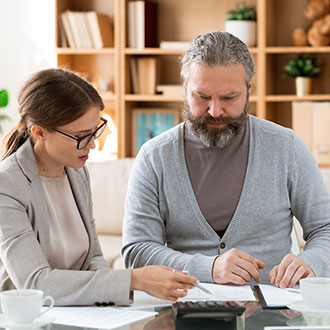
(216, 195)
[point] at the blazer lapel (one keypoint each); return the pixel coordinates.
(40, 220)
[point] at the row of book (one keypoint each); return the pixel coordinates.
(85, 30)
(145, 78)
(142, 24)
(144, 75)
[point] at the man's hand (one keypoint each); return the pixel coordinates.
(236, 267)
(288, 273)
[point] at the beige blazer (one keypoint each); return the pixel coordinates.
(24, 239)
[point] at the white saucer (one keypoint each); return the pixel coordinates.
(299, 306)
(37, 323)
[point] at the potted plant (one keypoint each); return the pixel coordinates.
(303, 68)
(4, 99)
(241, 22)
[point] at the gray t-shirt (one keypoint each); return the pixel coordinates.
(69, 242)
(217, 176)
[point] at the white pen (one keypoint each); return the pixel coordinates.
(199, 286)
(197, 283)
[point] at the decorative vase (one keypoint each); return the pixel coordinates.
(303, 86)
(244, 30)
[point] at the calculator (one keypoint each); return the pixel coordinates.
(209, 308)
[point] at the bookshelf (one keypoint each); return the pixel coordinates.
(272, 91)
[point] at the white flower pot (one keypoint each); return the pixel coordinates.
(244, 30)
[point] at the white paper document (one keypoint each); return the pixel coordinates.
(219, 292)
(98, 317)
(299, 327)
(279, 297)
(222, 292)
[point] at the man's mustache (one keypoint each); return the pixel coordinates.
(219, 120)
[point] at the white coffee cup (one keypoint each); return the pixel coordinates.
(23, 306)
(316, 292)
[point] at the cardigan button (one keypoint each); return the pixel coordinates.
(222, 245)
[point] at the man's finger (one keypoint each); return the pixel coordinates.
(282, 268)
(260, 263)
(242, 272)
(272, 274)
(250, 269)
(245, 256)
(300, 272)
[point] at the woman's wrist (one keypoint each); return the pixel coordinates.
(136, 275)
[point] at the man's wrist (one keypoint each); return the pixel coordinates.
(213, 272)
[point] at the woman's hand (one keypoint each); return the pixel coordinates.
(161, 282)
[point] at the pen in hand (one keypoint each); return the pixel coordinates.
(197, 284)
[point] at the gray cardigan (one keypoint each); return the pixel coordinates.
(164, 225)
(24, 239)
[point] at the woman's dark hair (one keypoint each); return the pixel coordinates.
(50, 98)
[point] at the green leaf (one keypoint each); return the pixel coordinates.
(242, 13)
(302, 66)
(4, 98)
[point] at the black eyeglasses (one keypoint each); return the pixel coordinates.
(83, 141)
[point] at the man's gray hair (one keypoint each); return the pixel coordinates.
(218, 48)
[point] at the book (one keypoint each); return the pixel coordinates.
(170, 90)
(63, 40)
(86, 41)
(134, 76)
(76, 29)
(142, 24)
(139, 24)
(150, 122)
(147, 75)
(310, 121)
(131, 24)
(67, 29)
(150, 24)
(175, 44)
(100, 28)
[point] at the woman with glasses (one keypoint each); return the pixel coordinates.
(47, 231)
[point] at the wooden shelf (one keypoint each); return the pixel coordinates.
(291, 98)
(153, 51)
(272, 95)
(293, 49)
(163, 98)
(160, 51)
(253, 50)
(152, 98)
(84, 51)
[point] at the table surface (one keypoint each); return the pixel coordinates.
(254, 318)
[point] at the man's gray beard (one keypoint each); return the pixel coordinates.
(218, 137)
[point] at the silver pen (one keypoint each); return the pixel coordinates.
(197, 284)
